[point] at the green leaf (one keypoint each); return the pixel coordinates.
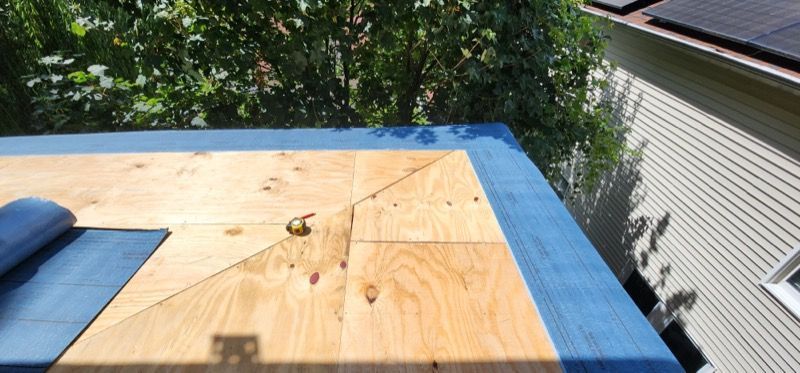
(530, 64)
(77, 29)
(78, 77)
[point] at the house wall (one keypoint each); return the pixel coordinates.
(710, 203)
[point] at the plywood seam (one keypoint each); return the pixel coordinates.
(344, 295)
(192, 253)
(480, 185)
(353, 204)
(355, 153)
(430, 242)
(346, 271)
(421, 204)
(184, 342)
(201, 224)
(100, 332)
(353, 184)
(199, 282)
(547, 302)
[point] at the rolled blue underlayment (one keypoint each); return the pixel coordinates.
(58, 278)
(27, 225)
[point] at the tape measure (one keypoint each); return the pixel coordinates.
(297, 226)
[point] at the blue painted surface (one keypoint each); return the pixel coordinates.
(49, 298)
(592, 322)
(486, 136)
(26, 225)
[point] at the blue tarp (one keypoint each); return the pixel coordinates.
(58, 278)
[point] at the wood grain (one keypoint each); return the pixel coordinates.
(131, 190)
(306, 303)
(189, 255)
(375, 170)
(199, 196)
(453, 306)
(443, 202)
(262, 312)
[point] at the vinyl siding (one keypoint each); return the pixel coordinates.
(711, 202)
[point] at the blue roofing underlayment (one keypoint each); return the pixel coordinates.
(592, 322)
(27, 225)
(55, 279)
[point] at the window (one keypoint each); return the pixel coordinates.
(794, 280)
(783, 282)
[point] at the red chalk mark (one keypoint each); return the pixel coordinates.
(343, 264)
(314, 278)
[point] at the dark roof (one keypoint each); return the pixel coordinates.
(619, 4)
(776, 66)
(770, 25)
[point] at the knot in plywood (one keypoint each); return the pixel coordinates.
(371, 293)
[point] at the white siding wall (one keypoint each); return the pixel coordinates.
(713, 201)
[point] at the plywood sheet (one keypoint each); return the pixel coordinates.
(424, 307)
(189, 255)
(443, 202)
(131, 190)
(375, 170)
(282, 306)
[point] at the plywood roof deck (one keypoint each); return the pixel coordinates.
(497, 267)
(422, 277)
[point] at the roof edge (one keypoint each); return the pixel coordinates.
(429, 137)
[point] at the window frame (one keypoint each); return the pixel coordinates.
(775, 282)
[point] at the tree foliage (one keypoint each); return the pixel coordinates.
(105, 65)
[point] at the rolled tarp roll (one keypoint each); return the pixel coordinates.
(27, 225)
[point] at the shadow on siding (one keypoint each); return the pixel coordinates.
(609, 214)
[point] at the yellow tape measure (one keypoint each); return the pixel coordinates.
(297, 226)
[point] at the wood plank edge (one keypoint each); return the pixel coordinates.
(398, 180)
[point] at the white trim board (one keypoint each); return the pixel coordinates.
(775, 281)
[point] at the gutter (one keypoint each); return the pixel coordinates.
(769, 75)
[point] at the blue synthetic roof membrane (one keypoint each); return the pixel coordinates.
(593, 324)
(26, 225)
(48, 299)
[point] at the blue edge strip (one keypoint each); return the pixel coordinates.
(593, 324)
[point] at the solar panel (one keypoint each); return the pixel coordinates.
(785, 41)
(619, 4)
(771, 25)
